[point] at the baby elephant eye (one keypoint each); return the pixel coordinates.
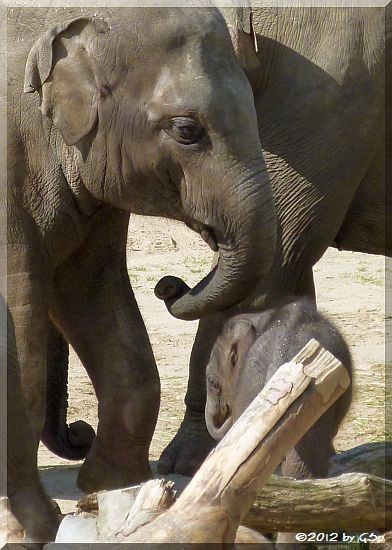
(186, 130)
(214, 384)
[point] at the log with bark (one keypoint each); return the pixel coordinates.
(216, 500)
(350, 502)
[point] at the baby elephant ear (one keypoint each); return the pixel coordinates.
(244, 336)
(60, 66)
(243, 36)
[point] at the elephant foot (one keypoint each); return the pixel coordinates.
(101, 471)
(190, 446)
(30, 517)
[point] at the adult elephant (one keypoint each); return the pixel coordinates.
(147, 111)
(320, 102)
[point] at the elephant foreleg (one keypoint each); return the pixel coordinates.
(192, 443)
(28, 289)
(114, 348)
(96, 310)
(28, 500)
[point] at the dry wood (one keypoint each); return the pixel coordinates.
(121, 512)
(355, 501)
(351, 502)
(215, 501)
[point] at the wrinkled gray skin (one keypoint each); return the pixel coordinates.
(248, 352)
(319, 95)
(148, 111)
(39, 517)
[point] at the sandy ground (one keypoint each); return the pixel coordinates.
(350, 290)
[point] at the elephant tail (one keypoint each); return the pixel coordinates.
(71, 441)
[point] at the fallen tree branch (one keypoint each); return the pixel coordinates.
(351, 502)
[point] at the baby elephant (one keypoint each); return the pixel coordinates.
(248, 352)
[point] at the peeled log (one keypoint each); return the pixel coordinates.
(213, 504)
(121, 512)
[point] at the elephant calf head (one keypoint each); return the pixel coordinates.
(162, 121)
(227, 362)
(250, 350)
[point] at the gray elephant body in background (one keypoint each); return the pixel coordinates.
(320, 101)
(142, 112)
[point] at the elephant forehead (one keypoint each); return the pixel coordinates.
(175, 48)
(181, 87)
(170, 28)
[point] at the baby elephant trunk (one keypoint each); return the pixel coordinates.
(218, 416)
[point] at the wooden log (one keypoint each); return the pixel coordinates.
(121, 512)
(353, 501)
(350, 502)
(213, 504)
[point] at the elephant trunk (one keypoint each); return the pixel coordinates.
(70, 442)
(218, 418)
(245, 233)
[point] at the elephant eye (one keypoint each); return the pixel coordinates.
(185, 130)
(214, 384)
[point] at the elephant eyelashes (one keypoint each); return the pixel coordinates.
(186, 130)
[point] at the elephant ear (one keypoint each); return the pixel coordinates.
(60, 67)
(244, 336)
(240, 26)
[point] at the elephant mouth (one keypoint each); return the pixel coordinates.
(220, 419)
(170, 287)
(206, 233)
(221, 423)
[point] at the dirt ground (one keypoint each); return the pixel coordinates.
(350, 290)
